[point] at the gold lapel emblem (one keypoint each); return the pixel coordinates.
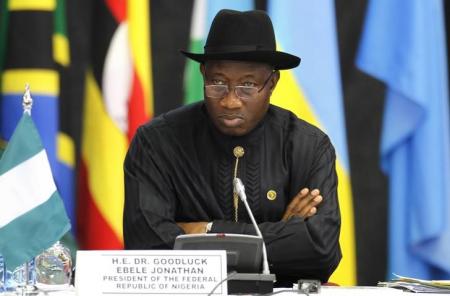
(238, 151)
(271, 195)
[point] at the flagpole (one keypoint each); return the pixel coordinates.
(26, 288)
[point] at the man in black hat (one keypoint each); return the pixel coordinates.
(180, 167)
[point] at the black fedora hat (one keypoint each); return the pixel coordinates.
(243, 36)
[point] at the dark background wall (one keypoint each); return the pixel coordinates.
(363, 99)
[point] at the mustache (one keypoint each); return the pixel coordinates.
(231, 115)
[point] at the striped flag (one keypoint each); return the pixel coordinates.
(61, 52)
(202, 15)
(65, 146)
(32, 215)
(118, 98)
(32, 39)
(4, 17)
(313, 92)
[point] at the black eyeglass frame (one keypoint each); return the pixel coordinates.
(237, 86)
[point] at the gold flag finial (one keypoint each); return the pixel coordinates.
(27, 101)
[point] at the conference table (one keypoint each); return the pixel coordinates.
(325, 291)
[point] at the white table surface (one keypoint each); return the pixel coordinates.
(325, 291)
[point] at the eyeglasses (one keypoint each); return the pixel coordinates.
(219, 91)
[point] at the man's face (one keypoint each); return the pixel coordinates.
(232, 114)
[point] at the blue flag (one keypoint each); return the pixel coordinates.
(403, 45)
(313, 92)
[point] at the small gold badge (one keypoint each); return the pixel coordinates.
(238, 151)
(271, 195)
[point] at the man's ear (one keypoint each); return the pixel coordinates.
(202, 69)
(274, 80)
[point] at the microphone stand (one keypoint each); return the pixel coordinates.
(241, 192)
(251, 282)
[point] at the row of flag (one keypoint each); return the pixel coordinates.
(410, 60)
(34, 47)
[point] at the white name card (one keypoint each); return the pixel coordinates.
(154, 272)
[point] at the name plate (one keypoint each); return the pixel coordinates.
(152, 272)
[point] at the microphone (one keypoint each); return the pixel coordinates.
(240, 190)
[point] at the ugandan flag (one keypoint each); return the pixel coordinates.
(33, 49)
(118, 98)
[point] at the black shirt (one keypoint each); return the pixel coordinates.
(179, 168)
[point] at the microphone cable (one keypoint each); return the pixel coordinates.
(229, 277)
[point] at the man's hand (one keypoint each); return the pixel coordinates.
(303, 204)
(193, 227)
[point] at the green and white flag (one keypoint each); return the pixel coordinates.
(193, 81)
(32, 215)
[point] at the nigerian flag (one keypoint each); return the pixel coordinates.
(32, 215)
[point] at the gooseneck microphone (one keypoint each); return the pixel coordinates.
(240, 190)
